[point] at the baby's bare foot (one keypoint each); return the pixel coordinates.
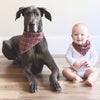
(89, 83)
(77, 79)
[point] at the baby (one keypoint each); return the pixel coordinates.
(81, 56)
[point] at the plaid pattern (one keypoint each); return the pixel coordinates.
(29, 40)
(82, 49)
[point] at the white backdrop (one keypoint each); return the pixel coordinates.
(65, 13)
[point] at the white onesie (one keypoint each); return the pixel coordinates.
(90, 56)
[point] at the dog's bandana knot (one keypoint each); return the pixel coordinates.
(29, 40)
(82, 49)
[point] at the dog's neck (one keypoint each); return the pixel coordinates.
(31, 33)
(26, 44)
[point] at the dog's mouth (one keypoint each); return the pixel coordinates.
(33, 27)
(31, 24)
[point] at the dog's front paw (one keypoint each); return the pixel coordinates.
(33, 87)
(55, 86)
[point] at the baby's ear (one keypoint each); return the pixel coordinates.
(88, 36)
(71, 35)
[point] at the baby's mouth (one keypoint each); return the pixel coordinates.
(79, 40)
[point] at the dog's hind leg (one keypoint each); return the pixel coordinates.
(9, 51)
(55, 72)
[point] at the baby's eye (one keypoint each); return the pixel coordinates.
(82, 34)
(76, 34)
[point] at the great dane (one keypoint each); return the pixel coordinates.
(31, 49)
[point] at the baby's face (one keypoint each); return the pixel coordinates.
(80, 34)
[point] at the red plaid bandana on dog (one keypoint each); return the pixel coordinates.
(82, 49)
(29, 40)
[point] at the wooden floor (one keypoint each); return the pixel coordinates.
(14, 86)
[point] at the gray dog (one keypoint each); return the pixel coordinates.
(31, 49)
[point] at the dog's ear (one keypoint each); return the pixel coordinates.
(20, 11)
(45, 12)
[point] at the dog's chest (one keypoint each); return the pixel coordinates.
(37, 66)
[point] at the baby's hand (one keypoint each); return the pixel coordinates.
(86, 63)
(78, 64)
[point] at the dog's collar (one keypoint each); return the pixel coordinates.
(29, 40)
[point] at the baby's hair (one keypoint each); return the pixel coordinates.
(78, 24)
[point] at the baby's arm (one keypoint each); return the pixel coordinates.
(76, 64)
(69, 56)
(86, 63)
(93, 56)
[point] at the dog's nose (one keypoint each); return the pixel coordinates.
(32, 23)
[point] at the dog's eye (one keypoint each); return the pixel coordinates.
(37, 14)
(27, 14)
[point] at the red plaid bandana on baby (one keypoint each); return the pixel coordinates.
(82, 49)
(29, 40)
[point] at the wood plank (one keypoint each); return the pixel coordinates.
(14, 85)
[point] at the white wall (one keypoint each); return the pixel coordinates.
(65, 13)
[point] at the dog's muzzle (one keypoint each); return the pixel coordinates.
(32, 23)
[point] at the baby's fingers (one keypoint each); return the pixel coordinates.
(87, 65)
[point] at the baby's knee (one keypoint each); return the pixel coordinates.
(93, 70)
(96, 71)
(65, 71)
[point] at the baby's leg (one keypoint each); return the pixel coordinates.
(71, 74)
(91, 75)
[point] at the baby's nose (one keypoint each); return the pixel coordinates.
(79, 36)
